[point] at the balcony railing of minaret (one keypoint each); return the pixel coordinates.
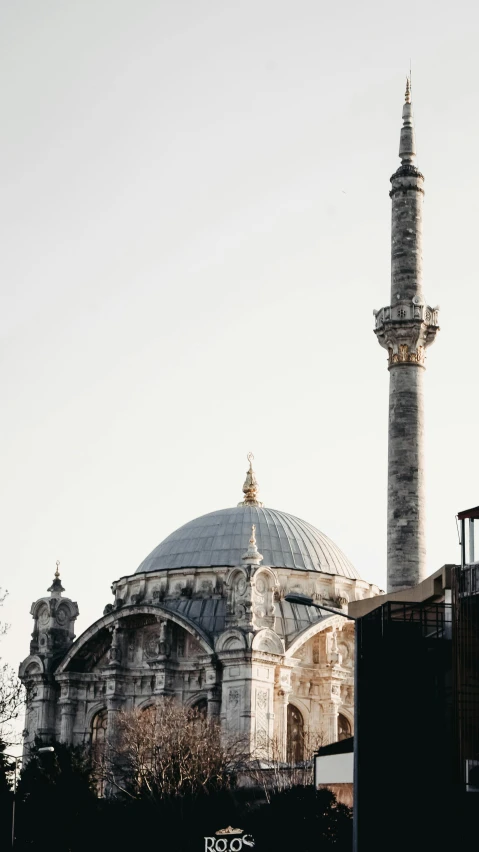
(405, 312)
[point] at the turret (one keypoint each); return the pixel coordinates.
(54, 619)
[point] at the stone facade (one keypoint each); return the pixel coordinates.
(223, 638)
(406, 328)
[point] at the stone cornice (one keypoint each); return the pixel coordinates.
(406, 170)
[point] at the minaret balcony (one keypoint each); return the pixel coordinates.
(404, 312)
(406, 330)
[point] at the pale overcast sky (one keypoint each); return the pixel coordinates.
(196, 229)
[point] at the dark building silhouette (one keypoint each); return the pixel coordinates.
(417, 709)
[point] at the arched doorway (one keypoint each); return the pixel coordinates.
(295, 749)
(344, 728)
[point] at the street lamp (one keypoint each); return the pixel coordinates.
(16, 759)
(303, 600)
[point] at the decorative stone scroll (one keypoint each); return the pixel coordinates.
(405, 355)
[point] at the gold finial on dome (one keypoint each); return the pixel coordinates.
(252, 556)
(57, 572)
(250, 487)
(407, 96)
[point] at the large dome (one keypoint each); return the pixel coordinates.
(220, 539)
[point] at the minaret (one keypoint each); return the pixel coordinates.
(405, 328)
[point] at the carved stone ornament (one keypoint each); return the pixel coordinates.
(406, 337)
(157, 646)
(61, 615)
(152, 647)
(262, 699)
(233, 698)
(241, 585)
(404, 355)
(43, 616)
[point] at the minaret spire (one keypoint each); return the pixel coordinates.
(405, 328)
(252, 555)
(407, 96)
(407, 144)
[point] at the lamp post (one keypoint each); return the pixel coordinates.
(303, 600)
(17, 759)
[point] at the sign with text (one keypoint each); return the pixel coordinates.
(229, 840)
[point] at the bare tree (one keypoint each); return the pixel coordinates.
(11, 690)
(273, 774)
(169, 750)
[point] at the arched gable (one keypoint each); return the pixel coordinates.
(268, 641)
(312, 630)
(32, 665)
(114, 617)
(230, 640)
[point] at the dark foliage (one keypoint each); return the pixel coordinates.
(305, 819)
(11, 690)
(56, 794)
(6, 768)
(297, 820)
(58, 808)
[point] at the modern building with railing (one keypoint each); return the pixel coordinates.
(404, 714)
(416, 740)
(465, 598)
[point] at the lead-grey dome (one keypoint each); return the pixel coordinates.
(220, 539)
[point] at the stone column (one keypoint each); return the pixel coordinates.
(46, 708)
(329, 721)
(283, 701)
(214, 702)
(68, 711)
(113, 704)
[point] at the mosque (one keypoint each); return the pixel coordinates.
(204, 617)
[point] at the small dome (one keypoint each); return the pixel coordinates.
(219, 539)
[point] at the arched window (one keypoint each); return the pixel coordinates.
(201, 707)
(98, 747)
(295, 735)
(344, 728)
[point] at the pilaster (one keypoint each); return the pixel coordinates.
(68, 712)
